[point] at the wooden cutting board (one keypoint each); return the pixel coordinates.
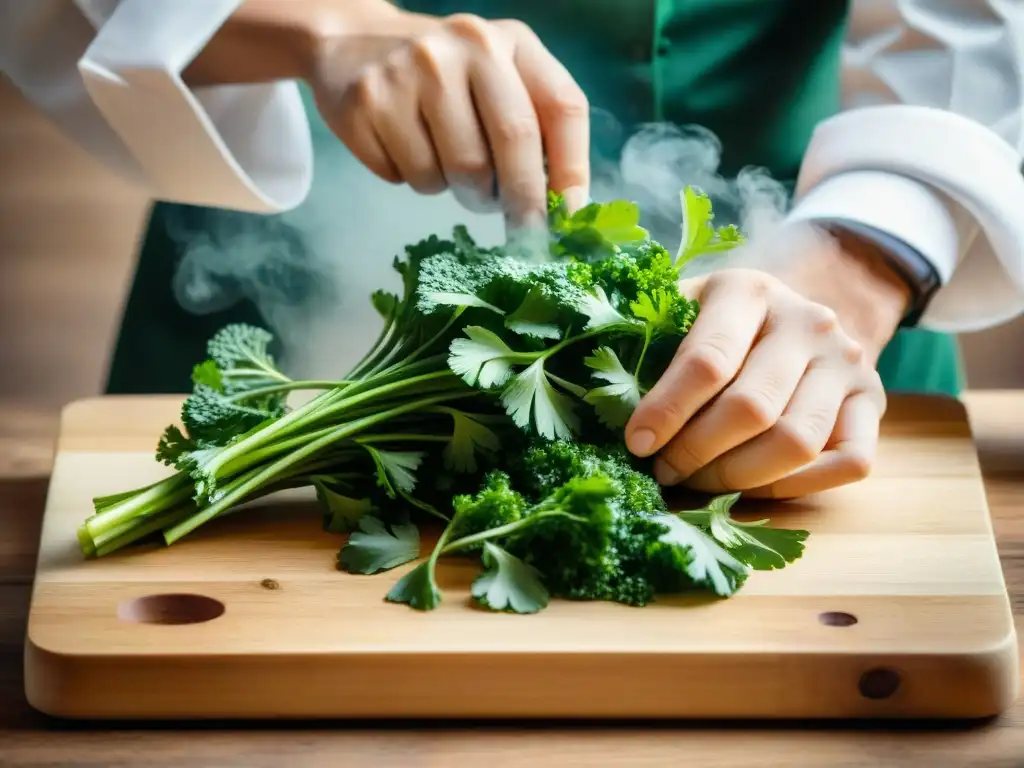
(898, 608)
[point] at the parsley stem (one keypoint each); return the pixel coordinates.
(643, 353)
(140, 504)
(396, 386)
(110, 530)
(326, 404)
(290, 386)
(225, 500)
(428, 508)
(260, 435)
(589, 334)
(122, 536)
(508, 528)
(385, 331)
(437, 336)
(382, 363)
(576, 389)
(439, 547)
(403, 437)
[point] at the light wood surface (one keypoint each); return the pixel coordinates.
(67, 242)
(910, 553)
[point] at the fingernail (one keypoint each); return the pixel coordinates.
(665, 474)
(641, 442)
(575, 198)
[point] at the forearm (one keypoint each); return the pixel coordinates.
(268, 40)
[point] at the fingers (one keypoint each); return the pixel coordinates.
(747, 408)
(355, 130)
(449, 112)
(848, 459)
(470, 105)
(563, 115)
(731, 316)
(513, 132)
(792, 442)
(767, 395)
(380, 122)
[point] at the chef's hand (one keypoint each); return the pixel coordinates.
(438, 103)
(461, 103)
(774, 391)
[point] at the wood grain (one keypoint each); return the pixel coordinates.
(29, 739)
(909, 552)
(50, 201)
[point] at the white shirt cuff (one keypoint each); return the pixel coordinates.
(244, 147)
(943, 183)
(894, 204)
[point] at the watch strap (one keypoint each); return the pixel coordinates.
(904, 259)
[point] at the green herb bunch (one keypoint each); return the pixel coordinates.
(493, 402)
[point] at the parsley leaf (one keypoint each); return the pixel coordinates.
(696, 228)
(385, 302)
(207, 374)
(699, 234)
(341, 513)
(615, 401)
(617, 221)
(172, 445)
(596, 230)
(482, 359)
(530, 392)
(706, 563)
(374, 548)
(729, 235)
(461, 300)
(468, 437)
(214, 417)
(417, 588)
(395, 469)
(760, 547)
(535, 316)
(599, 311)
(241, 353)
(655, 310)
(509, 584)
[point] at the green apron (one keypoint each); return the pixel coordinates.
(759, 74)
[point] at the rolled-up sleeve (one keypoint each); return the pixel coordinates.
(929, 146)
(108, 72)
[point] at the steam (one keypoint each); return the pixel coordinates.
(310, 271)
(659, 159)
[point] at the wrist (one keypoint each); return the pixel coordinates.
(852, 276)
(270, 40)
(880, 296)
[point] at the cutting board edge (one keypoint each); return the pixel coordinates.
(64, 686)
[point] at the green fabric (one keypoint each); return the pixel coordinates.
(920, 361)
(758, 74)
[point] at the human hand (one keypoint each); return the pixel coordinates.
(770, 394)
(458, 103)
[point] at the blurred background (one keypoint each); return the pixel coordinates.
(68, 234)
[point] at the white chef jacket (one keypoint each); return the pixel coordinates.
(927, 148)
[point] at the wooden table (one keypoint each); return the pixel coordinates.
(29, 739)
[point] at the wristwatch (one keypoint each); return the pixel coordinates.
(904, 259)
